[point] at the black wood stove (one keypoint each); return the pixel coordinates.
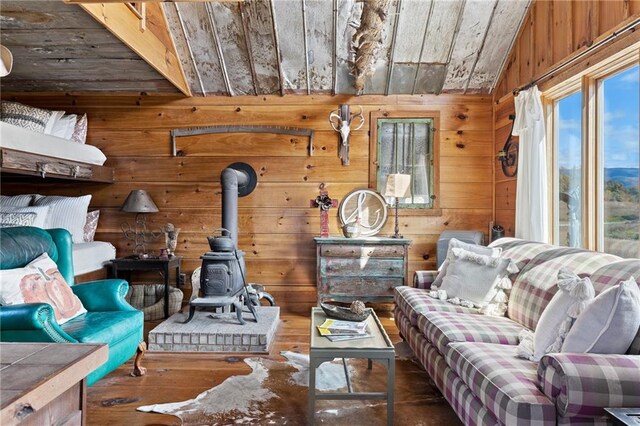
(222, 276)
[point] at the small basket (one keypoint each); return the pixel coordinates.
(338, 312)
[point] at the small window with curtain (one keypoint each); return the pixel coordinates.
(405, 146)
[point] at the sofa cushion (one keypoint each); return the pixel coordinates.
(414, 301)
(104, 327)
(505, 384)
(520, 251)
(535, 285)
(442, 328)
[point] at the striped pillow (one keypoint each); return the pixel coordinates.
(25, 116)
(16, 201)
(69, 213)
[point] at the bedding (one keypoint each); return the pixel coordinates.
(20, 139)
(93, 256)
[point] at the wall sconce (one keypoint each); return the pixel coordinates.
(398, 186)
(340, 120)
(139, 201)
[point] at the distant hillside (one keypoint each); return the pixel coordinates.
(628, 177)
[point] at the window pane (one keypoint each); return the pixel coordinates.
(569, 137)
(405, 146)
(621, 160)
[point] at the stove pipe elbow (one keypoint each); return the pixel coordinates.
(238, 179)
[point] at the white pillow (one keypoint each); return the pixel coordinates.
(474, 277)
(63, 126)
(69, 213)
(11, 220)
(455, 243)
(40, 282)
(572, 296)
(609, 324)
(23, 200)
(42, 212)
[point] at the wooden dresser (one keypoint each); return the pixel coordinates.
(365, 269)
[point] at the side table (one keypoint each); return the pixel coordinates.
(129, 264)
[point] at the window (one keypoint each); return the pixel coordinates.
(406, 146)
(594, 121)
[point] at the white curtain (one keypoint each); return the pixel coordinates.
(532, 213)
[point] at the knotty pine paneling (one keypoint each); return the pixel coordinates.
(553, 32)
(276, 224)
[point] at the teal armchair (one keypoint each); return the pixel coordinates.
(109, 318)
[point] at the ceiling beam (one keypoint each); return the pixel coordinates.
(149, 1)
(118, 19)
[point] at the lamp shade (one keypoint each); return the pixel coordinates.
(139, 201)
(398, 185)
(6, 61)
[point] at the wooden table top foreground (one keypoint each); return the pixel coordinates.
(34, 374)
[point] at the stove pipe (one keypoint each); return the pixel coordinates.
(237, 180)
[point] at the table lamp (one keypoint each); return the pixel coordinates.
(139, 201)
(398, 186)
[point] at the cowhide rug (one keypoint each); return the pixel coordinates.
(275, 393)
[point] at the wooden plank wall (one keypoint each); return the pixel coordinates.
(552, 32)
(276, 224)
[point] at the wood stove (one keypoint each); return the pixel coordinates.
(222, 276)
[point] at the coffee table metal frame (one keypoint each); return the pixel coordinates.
(383, 352)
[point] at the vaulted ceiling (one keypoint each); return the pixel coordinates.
(259, 47)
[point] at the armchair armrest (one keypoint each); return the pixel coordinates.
(31, 322)
(104, 295)
(583, 384)
(424, 279)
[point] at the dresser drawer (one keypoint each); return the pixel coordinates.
(361, 266)
(348, 250)
(359, 286)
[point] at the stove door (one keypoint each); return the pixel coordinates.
(215, 280)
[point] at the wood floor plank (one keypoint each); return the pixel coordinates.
(177, 377)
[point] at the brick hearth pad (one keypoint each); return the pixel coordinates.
(216, 332)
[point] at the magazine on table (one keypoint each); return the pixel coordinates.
(333, 327)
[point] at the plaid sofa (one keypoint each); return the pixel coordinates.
(472, 357)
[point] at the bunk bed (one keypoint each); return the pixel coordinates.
(26, 155)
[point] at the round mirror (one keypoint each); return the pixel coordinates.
(367, 205)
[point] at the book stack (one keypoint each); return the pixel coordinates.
(339, 331)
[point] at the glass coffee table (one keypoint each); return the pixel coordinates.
(377, 348)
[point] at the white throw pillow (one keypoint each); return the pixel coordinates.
(609, 324)
(63, 126)
(455, 243)
(69, 213)
(474, 277)
(42, 212)
(573, 294)
(40, 282)
(11, 220)
(23, 200)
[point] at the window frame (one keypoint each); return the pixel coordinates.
(435, 209)
(589, 81)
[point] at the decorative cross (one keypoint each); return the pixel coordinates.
(324, 202)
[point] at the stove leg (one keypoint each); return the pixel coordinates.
(192, 311)
(252, 308)
(238, 307)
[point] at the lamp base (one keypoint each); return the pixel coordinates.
(397, 227)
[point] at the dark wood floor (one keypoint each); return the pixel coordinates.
(176, 377)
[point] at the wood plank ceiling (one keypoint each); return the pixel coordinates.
(257, 47)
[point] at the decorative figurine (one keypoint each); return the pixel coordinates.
(171, 238)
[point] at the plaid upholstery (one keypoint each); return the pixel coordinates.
(536, 284)
(465, 404)
(583, 384)
(612, 274)
(424, 279)
(504, 383)
(442, 328)
(520, 251)
(414, 301)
